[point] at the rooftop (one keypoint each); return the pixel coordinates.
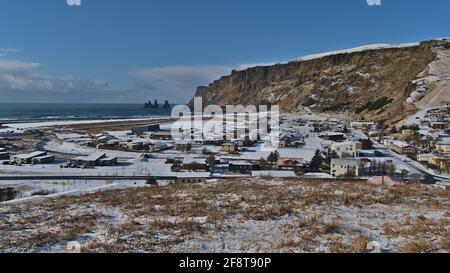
(274, 174)
(345, 161)
(92, 157)
(31, 155)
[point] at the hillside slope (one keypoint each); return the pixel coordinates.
(376, 82)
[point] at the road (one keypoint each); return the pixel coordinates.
(430, 176)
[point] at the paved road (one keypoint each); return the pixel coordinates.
(430, 176)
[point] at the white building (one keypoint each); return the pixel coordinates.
(345, 149)
(344, 167)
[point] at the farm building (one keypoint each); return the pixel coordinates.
(189, 163)
(46, 159)
(26, 158)
(98, 159)
(141, 130)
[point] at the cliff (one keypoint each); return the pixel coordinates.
(381, 83)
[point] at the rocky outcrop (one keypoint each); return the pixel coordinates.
(375, 84)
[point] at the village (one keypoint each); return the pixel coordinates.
(308, 147)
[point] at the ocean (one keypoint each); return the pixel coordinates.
(42, 112)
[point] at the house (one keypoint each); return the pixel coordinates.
(190, 163)
(132, 145)
(26, 158)
(439, 125)
(109, 145)
(387, 141)
(162, 135)
(436, 160)
(403, 148)
(444, 166)
(46, 159)
(362, 125)
(425, 158)
(242, 166)
(230, 148)
(97, 159)
(344, 167)
(156, 146)
(344, 149)
(291, 164)
(333, 136)
(183, 146)
(142, 130)
(197, 177)
(104, 139)
(407, 133)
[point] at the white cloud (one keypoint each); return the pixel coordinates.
(21, 81)
(73, 2)
(7, 51)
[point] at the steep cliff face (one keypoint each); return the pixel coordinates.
(376, 84)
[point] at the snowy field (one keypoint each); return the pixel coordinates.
(251, 215)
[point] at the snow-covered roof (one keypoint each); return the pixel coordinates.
(284, 174)
(345, 162)
(401, 144)
(194, 160)
(241, 163)
(44, 157)
(319, 175)
(31, 155)
(92, 157)
(194, 175)
(346, 143)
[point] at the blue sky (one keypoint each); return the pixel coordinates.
(128, 51)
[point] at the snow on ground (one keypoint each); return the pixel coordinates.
(439, 75)
(331, 53)
(307, 151)
(250, 215)
(34, 125)
(10, 132)
(356, 49)
(29, 190)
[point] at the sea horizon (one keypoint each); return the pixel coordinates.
(41, 112)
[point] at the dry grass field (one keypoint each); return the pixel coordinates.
(252, 215)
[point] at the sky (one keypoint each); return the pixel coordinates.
(117, 51)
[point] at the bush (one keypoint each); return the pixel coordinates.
(309, 102)
(7, 194)
(374, 105)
